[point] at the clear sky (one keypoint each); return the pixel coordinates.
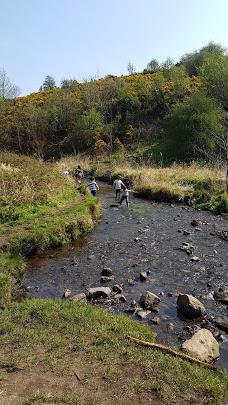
(81, 39)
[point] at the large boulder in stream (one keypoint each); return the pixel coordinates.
(202, 345)
(98, 292)
(190, 306)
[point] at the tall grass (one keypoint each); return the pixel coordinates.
(72, 161)
(25, 180)
(203, 185)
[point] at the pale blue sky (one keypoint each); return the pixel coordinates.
(87, 38)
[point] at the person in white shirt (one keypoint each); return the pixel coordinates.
(117, 185)
(124, 196)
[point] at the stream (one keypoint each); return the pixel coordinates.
(147, 237)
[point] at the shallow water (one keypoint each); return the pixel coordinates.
(146, 237)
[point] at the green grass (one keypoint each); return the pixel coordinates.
(65, 331)
(41, 399)
(40, 231)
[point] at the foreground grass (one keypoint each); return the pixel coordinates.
(59, 335)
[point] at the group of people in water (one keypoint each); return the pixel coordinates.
(121, 191)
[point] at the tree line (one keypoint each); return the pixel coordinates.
(179, 110)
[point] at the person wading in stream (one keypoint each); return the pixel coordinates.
(124, 196)
(93, 186)
(117, 185)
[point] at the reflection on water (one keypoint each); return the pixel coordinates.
(147, 237)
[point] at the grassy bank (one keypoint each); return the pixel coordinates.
(101, 365)
(40, 209)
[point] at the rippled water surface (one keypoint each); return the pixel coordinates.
(146, 237)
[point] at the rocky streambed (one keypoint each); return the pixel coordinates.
(166, 249)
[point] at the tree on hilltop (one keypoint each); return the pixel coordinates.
(48, 83)
(194, 60)
(7, 89)
(153, 65)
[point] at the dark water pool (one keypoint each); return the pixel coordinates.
(146, 237)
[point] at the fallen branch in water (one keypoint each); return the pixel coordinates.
(173, 352)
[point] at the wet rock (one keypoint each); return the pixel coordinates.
(190, 306)
(221, 322)
(185, 232)
(186, 333)
(142, 314)
(196, 222)
(117, 289)
(78, 297)
(106, 279)
(195, 259)
(121, 297)
(187, 247)
(143, 276)
(149, 300)
(106, 271)
(99, 292)
(67, 294)
(170, 327)
(154, 308)
(155, 320)
(203, 346)
(130, 310)
(221, 297)
(131, 281)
